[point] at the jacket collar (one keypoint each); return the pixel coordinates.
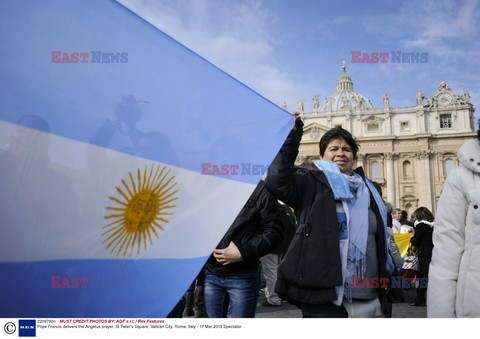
(359, 171)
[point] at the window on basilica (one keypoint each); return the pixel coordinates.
(407, 170)
(373, 127)
(445, 121)
(375, 170)
(448, 164)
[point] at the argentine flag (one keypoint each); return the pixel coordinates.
(106, 124)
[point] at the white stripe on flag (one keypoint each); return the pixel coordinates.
(53, 211)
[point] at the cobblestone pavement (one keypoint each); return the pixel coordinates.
(400, 310)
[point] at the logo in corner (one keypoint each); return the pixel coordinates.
(27, 328)
(141, 208)
(10, 328)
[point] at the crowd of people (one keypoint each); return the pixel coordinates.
(342, 233)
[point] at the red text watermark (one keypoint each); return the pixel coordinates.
(94, 57)
(237, 169)
(394, 282)
(90, 282)
(359, 57)
(64, 282)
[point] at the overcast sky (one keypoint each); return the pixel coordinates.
(288, 50)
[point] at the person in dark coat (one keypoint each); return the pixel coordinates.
(422, 240)
(337, 264)
(232, 273)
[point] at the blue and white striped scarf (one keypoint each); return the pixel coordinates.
(353, 190)
(356, 192)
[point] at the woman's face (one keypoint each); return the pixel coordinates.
(339, 152)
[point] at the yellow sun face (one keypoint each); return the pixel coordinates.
(140, 210)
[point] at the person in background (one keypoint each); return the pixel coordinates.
(422, 240)
(407, 225)
(194, 305)
(232, 273)
(270, 264)
(396, 225)
(341, 233)
(271, 261)
(454, 275)
(404, 220)
(396, 293)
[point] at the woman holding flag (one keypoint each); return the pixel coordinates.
(341, 237)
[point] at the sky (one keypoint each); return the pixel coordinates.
(288, 50)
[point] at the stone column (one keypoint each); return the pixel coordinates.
(421, 127)
(425, 179)
(361, 160)
(348, 122)
(329, 119)
(390, 177)
(388, 123)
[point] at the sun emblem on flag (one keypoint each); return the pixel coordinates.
(141, 208)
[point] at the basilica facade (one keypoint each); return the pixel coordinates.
(407, 150)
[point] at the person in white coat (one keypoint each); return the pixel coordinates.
(454, 277)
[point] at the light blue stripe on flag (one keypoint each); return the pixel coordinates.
(164, 93)
(101, 161)
(94, 288)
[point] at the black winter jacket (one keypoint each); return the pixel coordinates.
(256, 231)
(423, 241)
(311, 267)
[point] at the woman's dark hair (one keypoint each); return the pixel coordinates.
(337, 133)
(423, 213)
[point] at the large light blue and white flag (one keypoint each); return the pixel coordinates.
(106, 125)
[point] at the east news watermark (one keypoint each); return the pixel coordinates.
(395, 57)
(209, 168)
(93, 57)
(58, 281)
(393, 282)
